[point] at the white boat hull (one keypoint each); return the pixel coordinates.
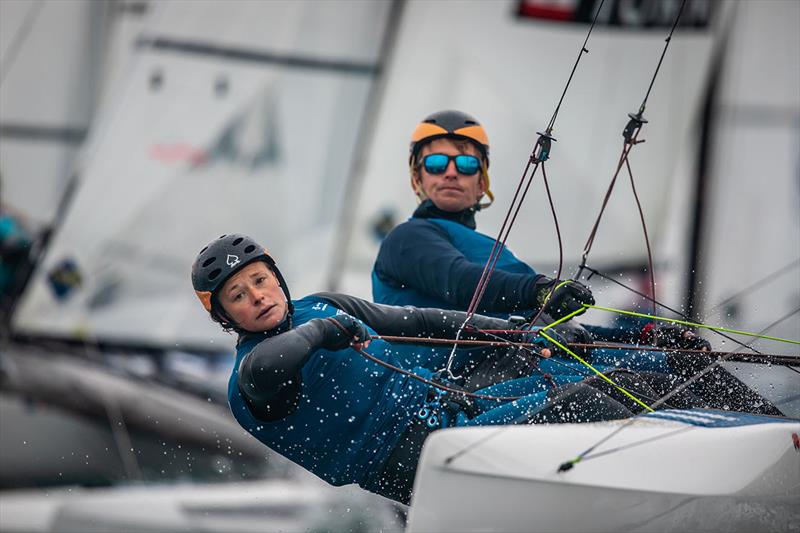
(669, 475)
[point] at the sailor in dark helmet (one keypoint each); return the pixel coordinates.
(240, 260)
(436, 258)
(300, 385)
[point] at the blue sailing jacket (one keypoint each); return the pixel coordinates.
(436, 258)
(351, 412)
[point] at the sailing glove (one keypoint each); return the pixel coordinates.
(568, 296)
(673, 336)
(529, 335)
(574, 333)
(341, 331)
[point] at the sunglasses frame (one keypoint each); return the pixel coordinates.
(452, 158)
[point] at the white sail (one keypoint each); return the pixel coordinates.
(753, 212)
(212, 130)
(49, 76)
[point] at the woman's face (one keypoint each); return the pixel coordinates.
(450, 191)
(253, 298)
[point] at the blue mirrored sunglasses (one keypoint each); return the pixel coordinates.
(465, 164)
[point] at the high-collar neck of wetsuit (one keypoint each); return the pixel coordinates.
(465, 217)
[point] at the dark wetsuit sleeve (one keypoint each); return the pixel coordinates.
(408, 321)
(418, 254)
(269, 376)
(624, 335)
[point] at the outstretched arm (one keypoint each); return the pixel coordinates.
(409, 321)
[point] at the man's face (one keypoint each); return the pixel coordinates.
(253, 298)
(450, 191)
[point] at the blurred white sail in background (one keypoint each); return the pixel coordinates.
(745, 198)
(215, 129)
(753, 217)
(50, 74)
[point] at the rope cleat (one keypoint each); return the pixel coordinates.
(632, 128)
(541, 151)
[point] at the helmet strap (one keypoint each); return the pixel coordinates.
(416, 183)
(487, 192)
(227, 322)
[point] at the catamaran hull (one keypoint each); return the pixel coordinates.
(668, 476)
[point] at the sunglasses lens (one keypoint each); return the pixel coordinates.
(467, 164)
(436, 163)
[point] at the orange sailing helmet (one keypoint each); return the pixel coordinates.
(454, 125)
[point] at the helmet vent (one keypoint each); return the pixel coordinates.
(470, 122)
(203, 250)
(214, 273)
(249, 249)
(237, 241)
(209, 261)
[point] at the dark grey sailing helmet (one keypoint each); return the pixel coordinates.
(221, 259)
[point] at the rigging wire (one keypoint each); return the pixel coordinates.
(583, 50)
(560, 248)
(567, 465)
(638, 443)
(646, 238)
(631, 138)
(464, 393)
(479, 396)
(661, 60)
(781, 359)
(590, 241)
(540, 154)
(576, 370)
(434, 384)
(659, 402)
(775, 323)
(660, 304)
(630, 135)
(757, 285)
(600, 374)
(693, 324)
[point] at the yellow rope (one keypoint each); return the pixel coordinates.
(576, 356)
(687, 323)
